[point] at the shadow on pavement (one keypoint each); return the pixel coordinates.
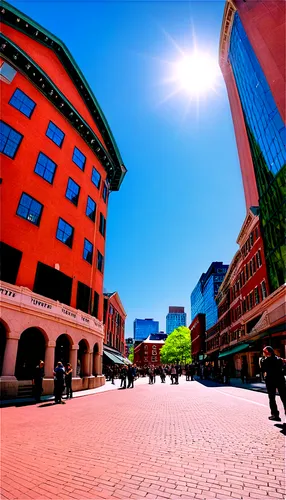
(46, 404)
(211, 383)
(282, 427)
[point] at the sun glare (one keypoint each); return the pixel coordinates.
(196, 73)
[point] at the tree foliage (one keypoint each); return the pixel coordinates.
(131, 354)
(177, 348)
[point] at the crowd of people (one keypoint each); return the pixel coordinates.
(273, 369)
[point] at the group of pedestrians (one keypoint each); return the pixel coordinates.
(62, 380)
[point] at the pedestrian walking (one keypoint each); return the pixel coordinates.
(192, 371)
(38, 381)
(59, 381)
(111, 374)
(123, 375)
(151, 374)
(173, 374)
(68, 380)
(130, 376)
(273, 367)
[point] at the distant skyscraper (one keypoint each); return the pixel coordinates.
(203, 295)
(175, 318)
(144, 327)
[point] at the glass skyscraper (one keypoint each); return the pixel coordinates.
(176, 317)
(143, 328)
(253, 67)
(204, 293)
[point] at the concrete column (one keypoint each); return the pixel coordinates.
(50, 359)
(97, 364)
(90, 362)
(10, 356)
(73, 359)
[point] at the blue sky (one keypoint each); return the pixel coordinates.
(181, 205)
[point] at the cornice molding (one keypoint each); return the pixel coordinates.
(225, 33)
(19, 21)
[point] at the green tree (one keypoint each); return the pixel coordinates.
(131, 354)
(177, 347)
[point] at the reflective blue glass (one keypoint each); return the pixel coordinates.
(88, 251)
(90, 208)
(99, 261)
(266, 135)
(104, 192)
(22, 102)
(144, 327)
(30, 209)
(257, 101)
(55, 134)
(102, 223)
(95, 177)
(72, 192)
(9, 140)
(65, 232)
(174, 320)
(45, 167)
(79, 158)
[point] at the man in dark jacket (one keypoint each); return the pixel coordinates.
(273, 367)
(38, 381)
(59, 380)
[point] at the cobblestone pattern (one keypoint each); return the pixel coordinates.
(151, 442)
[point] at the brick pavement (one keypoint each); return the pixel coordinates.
(153, 442)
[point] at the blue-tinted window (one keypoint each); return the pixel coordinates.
(95, 177)
(72, 192)
(90, 208)
(102, 223)
(99, 261)
(78, 158)
(55, 134)
(88, 251)
(30, 209)
(45, 167)
(22, 102)
(104, 192)
(9, 140)
(65, 233)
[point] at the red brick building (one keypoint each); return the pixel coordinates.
(114, 322)
(59, 161)
(248, 316)
(148, 352)
(198, 329)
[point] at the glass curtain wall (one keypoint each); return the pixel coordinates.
(266, 133)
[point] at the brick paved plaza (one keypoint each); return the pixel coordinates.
(153, 442)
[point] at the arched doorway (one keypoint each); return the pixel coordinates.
(31, 349)
(82, 359)
(62, 351)
(2, 345)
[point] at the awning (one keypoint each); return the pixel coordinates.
(113, 358)
(234, 350)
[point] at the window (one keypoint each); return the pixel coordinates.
(7, 73)
(10, 140)
(65, 232)
(95, 177)
(30, 209)
(250, 300)
(251, 239)
(256, 295)
(83, 297)
(90, 208)
(23, 103)
(52, 283)
(87, 251)
(254, 264)
(95, 304)
(45, 167)
(104, 192)
(55, 134)
(250, 268)
(10, 259)
(102, 225)
(256, 233)
(259, 258)
(78, 158)
(72, 192)
(246, 272)
(263, 290)
(99, 261)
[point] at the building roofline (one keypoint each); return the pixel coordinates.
(227, 21)
(20, 21)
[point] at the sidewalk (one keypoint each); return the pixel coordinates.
(253, 386)
(89, 392)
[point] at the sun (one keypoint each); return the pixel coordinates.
(196, 73)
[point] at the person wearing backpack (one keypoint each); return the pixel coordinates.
(273, 368)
